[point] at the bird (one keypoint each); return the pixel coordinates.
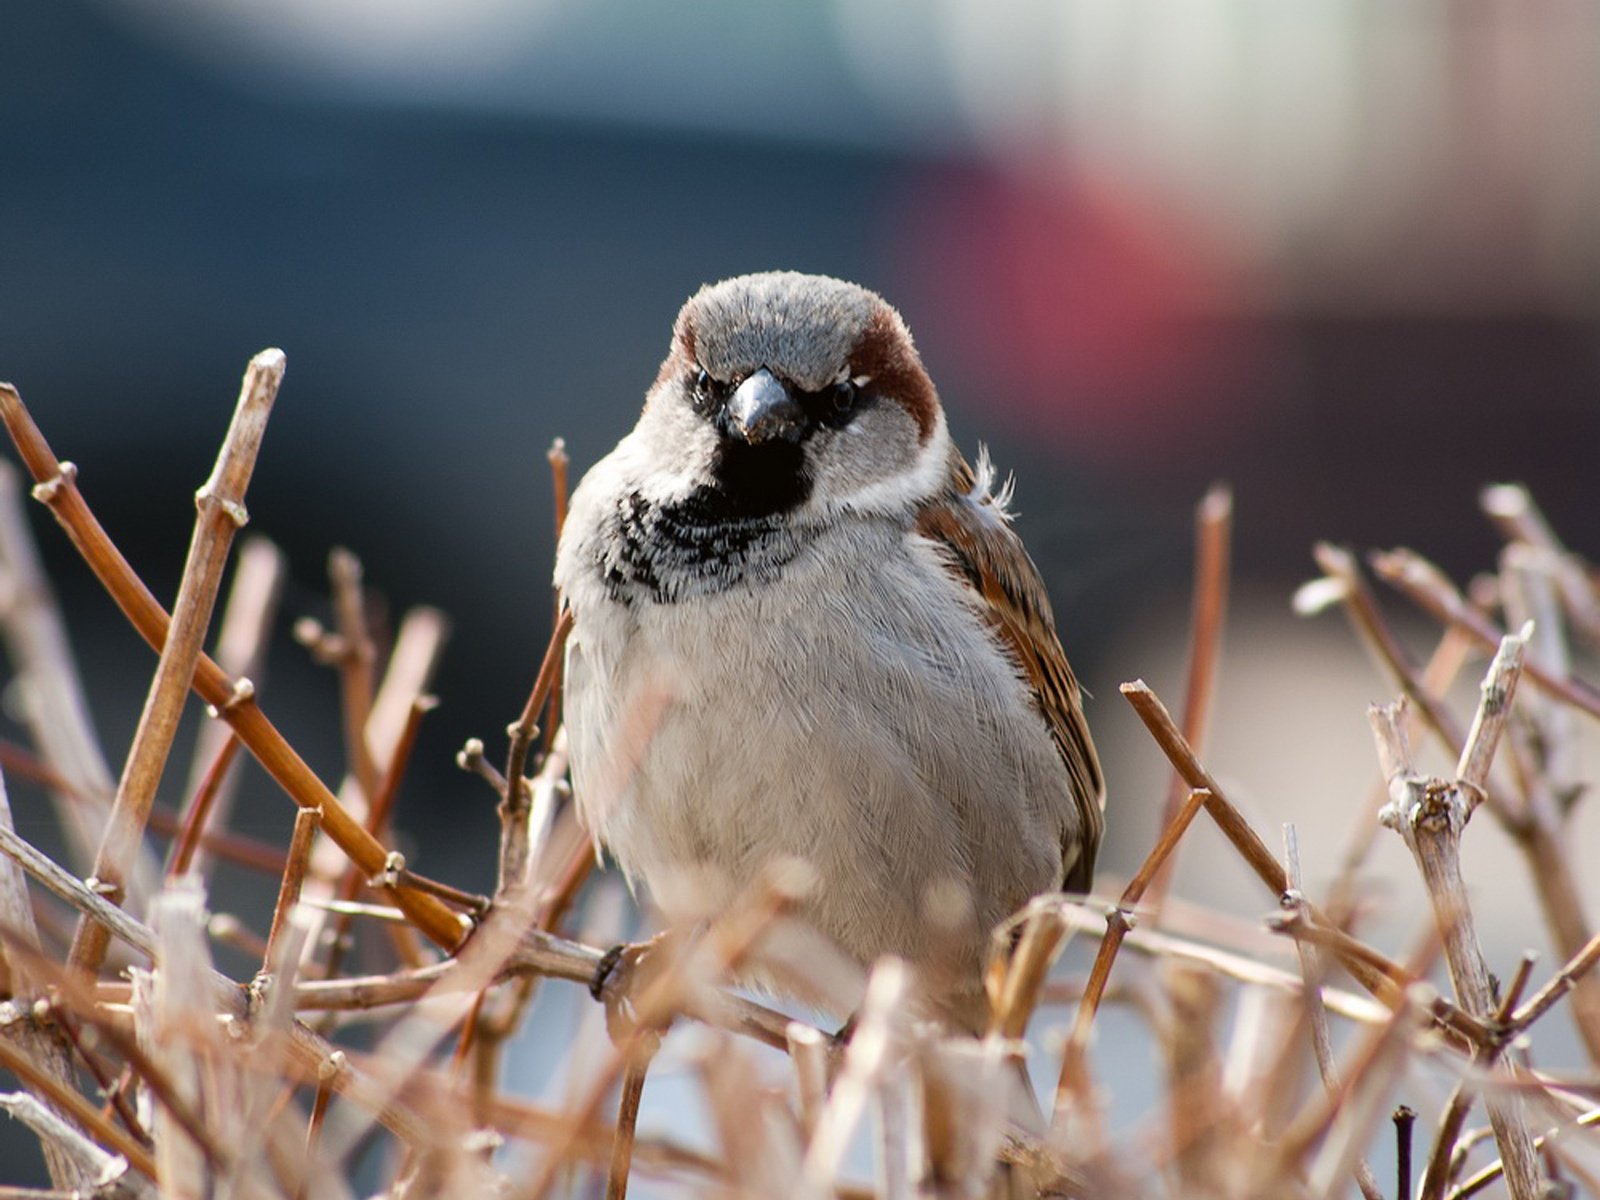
(842, 652)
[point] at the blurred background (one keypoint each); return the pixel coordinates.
(1342, 255)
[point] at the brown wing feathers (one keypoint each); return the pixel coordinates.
(992, 560)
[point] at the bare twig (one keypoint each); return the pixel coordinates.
(195, 816)
(355, 665)
(1405, 1120)
(80, 1111)
(235, 701)
(221, 513)
(1213, 535)
(633, 1077)
(514, 837)
(1471, 1187)
(1430, 815)
(1119, 920)
(557, 457)
(75, 891)
(1560, 984)
(1311, 970)
(306, 823)
(470, 758)
(47, 679)
(1512, 509)
(17, 1023)
(1253, 850)
(1428, 587)
(241, 647)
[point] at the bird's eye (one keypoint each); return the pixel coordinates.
(842, 397)
(702, 380)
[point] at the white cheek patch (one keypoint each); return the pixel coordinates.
(896, 492)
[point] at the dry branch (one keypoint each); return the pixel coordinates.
(1430, 814)
(234, 700)
(236, 1096)
(220, 514)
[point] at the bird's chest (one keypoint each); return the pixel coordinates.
(724, 716)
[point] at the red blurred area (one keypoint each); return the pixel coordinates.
(1083, 312)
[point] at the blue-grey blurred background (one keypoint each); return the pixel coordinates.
(1343, 255)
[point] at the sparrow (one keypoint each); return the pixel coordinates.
(804, 628)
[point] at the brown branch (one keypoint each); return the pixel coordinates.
(112, 1136)
(195, 815)
(236, 704)
(1073, 1080)
(1253, 850)
(306, 823)
(1560, 984)
(1430, 590)
(1514, 513)
(1361, 606)
(1430, 815)
(633, 1077)
(241, 651)
(377, 818)
(392, 713)
(556, 456)
(515, 808)
(19, 939)
(355, 665)
(220, 514)
(50, 687)
(1213, 535)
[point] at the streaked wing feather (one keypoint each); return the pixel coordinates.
(990, 558)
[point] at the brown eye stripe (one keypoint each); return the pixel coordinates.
(885, 355)
(682, 359)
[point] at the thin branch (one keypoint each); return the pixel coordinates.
(514, 835)
(1514, 513)
(48, 682)
(1430, 815)
(235, 701)
(196, 814)
(633, 1077)
(241, 651)
(1471, 1187)
(1073, 1079)
(306, 823)
(355, 666)
(77, 1108)
(76, 892)
(220, 514)
(1430, 590)
(556, 456)
(1313, 971)
(1260, 859)
(19, 939)
(1213, 535)
(1560, 984)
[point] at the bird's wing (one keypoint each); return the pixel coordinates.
(971, 525)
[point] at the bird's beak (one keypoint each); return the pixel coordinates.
(761, 409)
